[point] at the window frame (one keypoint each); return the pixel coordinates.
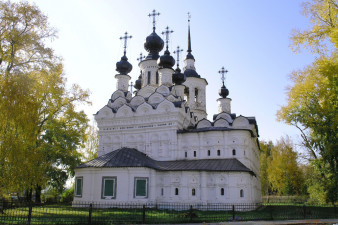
(76, 187)
(103, 187)
(241, 193)
(193, 192)
(135, 186)
(233, 152)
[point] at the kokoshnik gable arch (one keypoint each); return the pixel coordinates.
(156, 144)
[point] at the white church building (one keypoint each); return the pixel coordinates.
(156, 144)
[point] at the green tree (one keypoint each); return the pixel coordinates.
(312, 99)
(40, 128)
(285, 176)
(91, 146)
(264, 157)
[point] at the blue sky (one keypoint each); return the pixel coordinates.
(249, 38)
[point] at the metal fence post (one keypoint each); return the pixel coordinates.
(90, 214)
(233, 212)
(30, 212)
(190, 213)
(271, 212)
(144, 214)
(304, 211)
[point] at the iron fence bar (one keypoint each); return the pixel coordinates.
(30, 209)
(90, 214)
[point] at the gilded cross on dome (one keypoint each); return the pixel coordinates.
(166, 33)
(126, 37)
(154, 14)
(222, 71)
(177, 52)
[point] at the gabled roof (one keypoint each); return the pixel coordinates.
(129, 157)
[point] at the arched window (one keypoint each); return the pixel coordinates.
(176, 191)
(218, 152)
(241, 193)
(156, 77)
(186, 94)
(233, 151)
(196, 94)
(208, 152)
(149, 77)
(222, 191)
(193, 192)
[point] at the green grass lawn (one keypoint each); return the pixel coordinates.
(66, 214)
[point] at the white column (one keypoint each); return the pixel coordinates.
(166, 76)
(178, 90)
(122, 82)
(224, 105)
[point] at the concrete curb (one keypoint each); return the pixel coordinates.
(281, 222)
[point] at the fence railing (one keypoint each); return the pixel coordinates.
(95, 213)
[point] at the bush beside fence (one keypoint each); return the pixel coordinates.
(90, 213)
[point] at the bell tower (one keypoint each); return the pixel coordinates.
(194, 85)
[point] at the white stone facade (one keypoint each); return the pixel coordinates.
(164, 124)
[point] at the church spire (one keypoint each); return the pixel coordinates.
(189, 55)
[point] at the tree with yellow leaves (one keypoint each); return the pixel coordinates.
(313, 97)
(40, 128)
(284, 174)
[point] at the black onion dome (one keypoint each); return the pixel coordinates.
(123, 66)
(138, 83)
(191, 73)
(166, 60)
(153, 44)
(190, 56)
(223, 92)
(178, 77)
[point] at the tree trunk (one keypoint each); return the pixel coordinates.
(38, 194)
(29, 195)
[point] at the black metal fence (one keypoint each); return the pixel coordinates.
(91, 213)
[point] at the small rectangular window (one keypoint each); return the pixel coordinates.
(162, 192)
(157, 78)
(78, 186)
(176, 191)
(194, 153)
(108, 188)
(141, 187)
(149, 73)
(218, 152)
(208, 152)
(186, 154)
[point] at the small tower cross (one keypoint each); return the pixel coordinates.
(154, 14)
(131, 87)
(177, 52)
(126, 37)
(222, 71)
(141, 57)
(166, 33)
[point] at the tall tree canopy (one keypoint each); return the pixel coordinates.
(40, 127)
(313, 96)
